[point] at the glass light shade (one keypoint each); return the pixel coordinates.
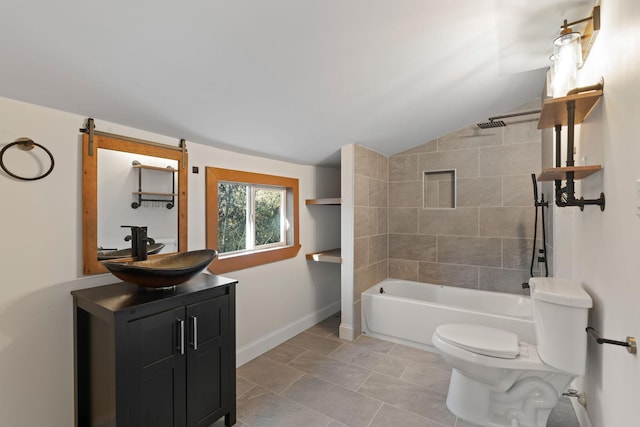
(567, 58)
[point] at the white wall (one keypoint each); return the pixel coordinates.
(605, 246)
(41, 262)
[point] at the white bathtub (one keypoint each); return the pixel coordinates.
(409, 312)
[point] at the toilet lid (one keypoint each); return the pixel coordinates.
(480, 339)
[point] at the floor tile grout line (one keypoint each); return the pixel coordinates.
(375, 415)
(307, 407)
(337, 385)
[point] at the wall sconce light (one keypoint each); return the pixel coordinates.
(570, 50)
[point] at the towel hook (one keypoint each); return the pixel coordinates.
(630, 343)
(25, 144)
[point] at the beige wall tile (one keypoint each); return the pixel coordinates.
(517, 190)
(481, 251)
(360, 253)
(464, 276)
(470, 137)
(403, 220)
(365, 222)
(412, 247)
(361, 190)
(507, 222)
(482, 191)
(522, 129)
(377, 248)
(403, 269)
(431, 194)
(405, 194)
(427, 147)
(458, 222)
(378, 191)
(465, 162)
(516, 254)
(363, 279)
(383, 220)
(383, 270)
(501, 280)
(365, 162)
(383, 168)
(446, 193)
(516, 159)
(403, 168)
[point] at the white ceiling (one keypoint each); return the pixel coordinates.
(289, 79)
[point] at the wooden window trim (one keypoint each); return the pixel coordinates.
(242, 261)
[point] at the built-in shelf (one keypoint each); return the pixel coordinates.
(554, 110)
(580, 172)
(332, 255)
(325, 201)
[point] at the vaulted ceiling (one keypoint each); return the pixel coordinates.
(288, 79)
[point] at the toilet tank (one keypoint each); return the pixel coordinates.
(560, 315)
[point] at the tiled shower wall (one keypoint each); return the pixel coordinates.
(485, 242)
(370, 222)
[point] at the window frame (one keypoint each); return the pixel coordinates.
(242, 260)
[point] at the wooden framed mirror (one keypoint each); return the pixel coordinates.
(127, 181)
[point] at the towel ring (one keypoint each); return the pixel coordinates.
(25, 144)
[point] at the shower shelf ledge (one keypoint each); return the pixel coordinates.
(325, 201)
(580, 172)
(332, 255)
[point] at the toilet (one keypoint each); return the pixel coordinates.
(498, 380)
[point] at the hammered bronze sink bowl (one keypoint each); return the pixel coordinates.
(162, 272)
(103, 255)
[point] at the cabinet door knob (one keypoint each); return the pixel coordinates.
(194, 343)
(181, 337)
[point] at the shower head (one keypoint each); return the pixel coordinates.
(492, 124)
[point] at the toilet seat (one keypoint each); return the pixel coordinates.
(479, 339)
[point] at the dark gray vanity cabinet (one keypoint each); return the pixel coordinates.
(156, 357)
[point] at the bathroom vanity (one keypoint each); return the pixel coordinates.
(149, 357)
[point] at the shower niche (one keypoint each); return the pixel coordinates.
(439, 189)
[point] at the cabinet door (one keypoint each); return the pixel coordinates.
(205, 399)
(156, 371)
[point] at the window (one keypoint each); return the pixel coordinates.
(252, 219)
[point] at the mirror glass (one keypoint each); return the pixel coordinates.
(129, 182)
(135, 189)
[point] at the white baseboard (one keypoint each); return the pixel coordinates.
(346, 332)
(277, 337)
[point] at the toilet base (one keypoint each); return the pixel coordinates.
(527, 403)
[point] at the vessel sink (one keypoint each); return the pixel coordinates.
(162, 272)
(126, 253)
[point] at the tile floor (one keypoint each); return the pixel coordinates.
(316, 379)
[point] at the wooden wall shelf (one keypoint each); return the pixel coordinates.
(332, 255)
(554, 110)
(580, 172)
(155, 168)
(325, 201)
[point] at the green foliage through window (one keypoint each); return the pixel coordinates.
(249, 217)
